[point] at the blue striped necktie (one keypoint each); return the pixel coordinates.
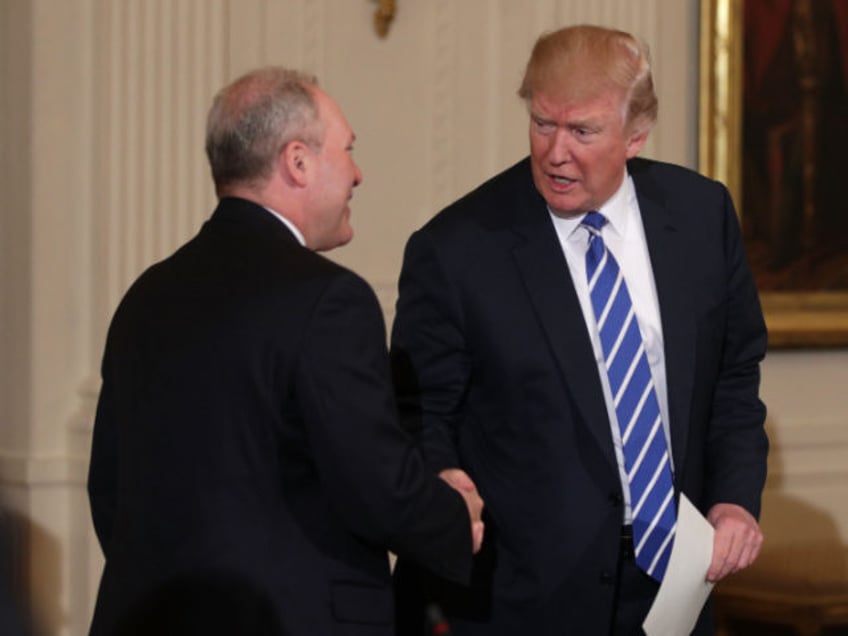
(643, 439)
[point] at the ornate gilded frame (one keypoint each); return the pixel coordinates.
(804, 319)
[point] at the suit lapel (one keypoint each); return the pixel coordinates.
(674, 294)
(543, 268)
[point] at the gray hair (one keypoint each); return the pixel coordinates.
(253, 118)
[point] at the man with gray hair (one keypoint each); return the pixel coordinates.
(248, 474)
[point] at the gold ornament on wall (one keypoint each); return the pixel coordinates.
(383, 16)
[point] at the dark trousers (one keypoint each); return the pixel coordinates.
(635, 592)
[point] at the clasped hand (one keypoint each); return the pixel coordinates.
(459, 480)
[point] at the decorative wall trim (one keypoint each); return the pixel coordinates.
(443, 107)
(809, 455)
(34, 472)
(313, 36)
(160, 63)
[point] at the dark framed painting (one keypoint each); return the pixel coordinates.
(773, 126)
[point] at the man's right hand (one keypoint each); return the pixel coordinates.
(459, 480)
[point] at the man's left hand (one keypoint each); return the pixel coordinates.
(737, 542)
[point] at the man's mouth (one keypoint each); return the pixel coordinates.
(563, 181)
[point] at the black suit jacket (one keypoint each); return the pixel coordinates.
(246, 460)
(495, 371)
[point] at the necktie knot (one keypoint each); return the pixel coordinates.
(594, 220)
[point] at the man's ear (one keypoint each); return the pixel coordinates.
(294, 162)
(636, 141)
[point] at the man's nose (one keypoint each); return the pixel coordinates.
(559, 151)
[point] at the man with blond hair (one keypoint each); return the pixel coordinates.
(582, 335)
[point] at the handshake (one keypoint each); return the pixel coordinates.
(459, 480)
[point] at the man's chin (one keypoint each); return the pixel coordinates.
(347, 236)
(561, 203)
(564, 207)
(338, 241)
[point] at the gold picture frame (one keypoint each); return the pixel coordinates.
(794, 319)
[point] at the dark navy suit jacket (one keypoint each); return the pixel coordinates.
(495, 372)
(247, 463)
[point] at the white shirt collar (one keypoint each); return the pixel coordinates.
(617, 210)
(297, 234)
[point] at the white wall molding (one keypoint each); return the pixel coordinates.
(158, 65)
(442, 108)
(38, 471)
(809, 454)
(313, 43)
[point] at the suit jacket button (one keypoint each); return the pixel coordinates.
(607, 578)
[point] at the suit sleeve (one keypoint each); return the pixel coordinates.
(374, 475)
(103, 468)
(738, 445)
(430, 361)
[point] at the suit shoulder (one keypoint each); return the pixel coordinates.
(489, 209)
(670, 176)
(341, 275)
(329, 279)
(262, 269)
(686, 191)
(497, 192)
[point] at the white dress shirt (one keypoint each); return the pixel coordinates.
(624, 236)
(297, 233)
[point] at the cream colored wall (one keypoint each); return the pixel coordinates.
(102, 172)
